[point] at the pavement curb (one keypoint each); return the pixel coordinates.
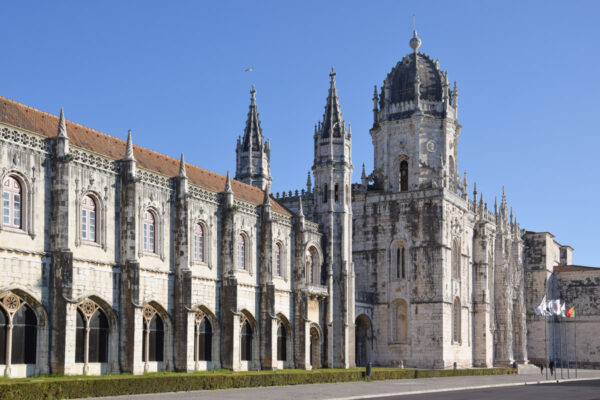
(456, 389)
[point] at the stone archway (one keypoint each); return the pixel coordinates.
(315, 348)
(362, 340)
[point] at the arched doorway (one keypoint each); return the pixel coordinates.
(315, 348)
(363, 339)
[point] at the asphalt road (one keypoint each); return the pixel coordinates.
(582, 390)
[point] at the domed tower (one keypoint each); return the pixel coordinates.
(415, 128)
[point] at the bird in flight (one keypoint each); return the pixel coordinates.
(249, 69)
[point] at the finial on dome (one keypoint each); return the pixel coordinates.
(415, 42)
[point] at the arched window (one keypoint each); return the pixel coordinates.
(199, 242)
(12, 196)
(400, 321)
(325, 193)
(401, 262)
(455, 259)
(336, 192)
(456, 321)
(149, 230)
(241, 252)
(281, 343)
(403, 175)
(24, 336)
(91, 337)
(203, 335)
(277, 259)
(153, 338)
(312, 266)
(88, 219)
(246, 342)
(3, 326)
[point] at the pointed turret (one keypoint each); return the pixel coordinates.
(308, 183)
(253, 152)
(62, 126)
(129, 148)
(300, 207)
(375, 105)
(182, 173)
(363, 178)
(61, 142)
(228, 188)
(333, 123)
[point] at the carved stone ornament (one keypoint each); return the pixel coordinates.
(88, 308)
(199, 316)
(11, 303)
(456, 227)
(430, 146)
(149, 313)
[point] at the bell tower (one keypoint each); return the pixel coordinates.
(332, 169)
(415, 128)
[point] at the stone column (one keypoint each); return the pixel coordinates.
(482, 338)
(266, 312)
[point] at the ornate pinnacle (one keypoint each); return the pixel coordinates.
(300, 208)
(349, 130)
(62, 126)
(415, 42)
(228, 184)
(363, 175)
(308, 183)
(129, 148)
(267, 198)
(182, 173)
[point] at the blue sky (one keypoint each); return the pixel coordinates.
(173, 72)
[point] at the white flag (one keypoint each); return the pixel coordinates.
(556, 307)
(542, 309)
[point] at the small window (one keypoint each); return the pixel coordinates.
(149, 232)
(199, 243)
(401, 262)
(12, 196)
(336, 193)
(241, 252)
(325, 193)
(277, 259)
(88, 219)
(403, 176)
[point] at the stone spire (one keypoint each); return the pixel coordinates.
(129, 149)
(308, 183)
(300, 208)
(375, 105)
(363, 177)
(333, 123)
(253, 138)
(62, 125)
(253, 153)
(228, 188)
(182, 173)
(267, 196)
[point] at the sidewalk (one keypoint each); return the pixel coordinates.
(361, 390)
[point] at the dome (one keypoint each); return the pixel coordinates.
(401, 80)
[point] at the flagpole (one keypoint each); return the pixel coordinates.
(576, 358)
(554, 343)
(562, 357)
(546, 342)
(567, 344)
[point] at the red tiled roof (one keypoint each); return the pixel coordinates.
(40, 122)
(575, 268)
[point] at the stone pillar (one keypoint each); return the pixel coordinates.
(61, 257)
(266, 313)
(482, 337)
(130, 317)
(183, 276)
(504, 305)
(230, 321)
(300, 335)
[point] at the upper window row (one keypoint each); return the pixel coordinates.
(12, 193)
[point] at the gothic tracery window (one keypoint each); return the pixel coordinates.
(403, 175)
(12, 195)
(241, 252)
(88, 219)
(18, 331)
(203, 334)
(91, 339)
(153, 335)
(277, 259)
(149, 232)
(199, 242)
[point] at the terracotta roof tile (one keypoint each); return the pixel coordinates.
(40, 122)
